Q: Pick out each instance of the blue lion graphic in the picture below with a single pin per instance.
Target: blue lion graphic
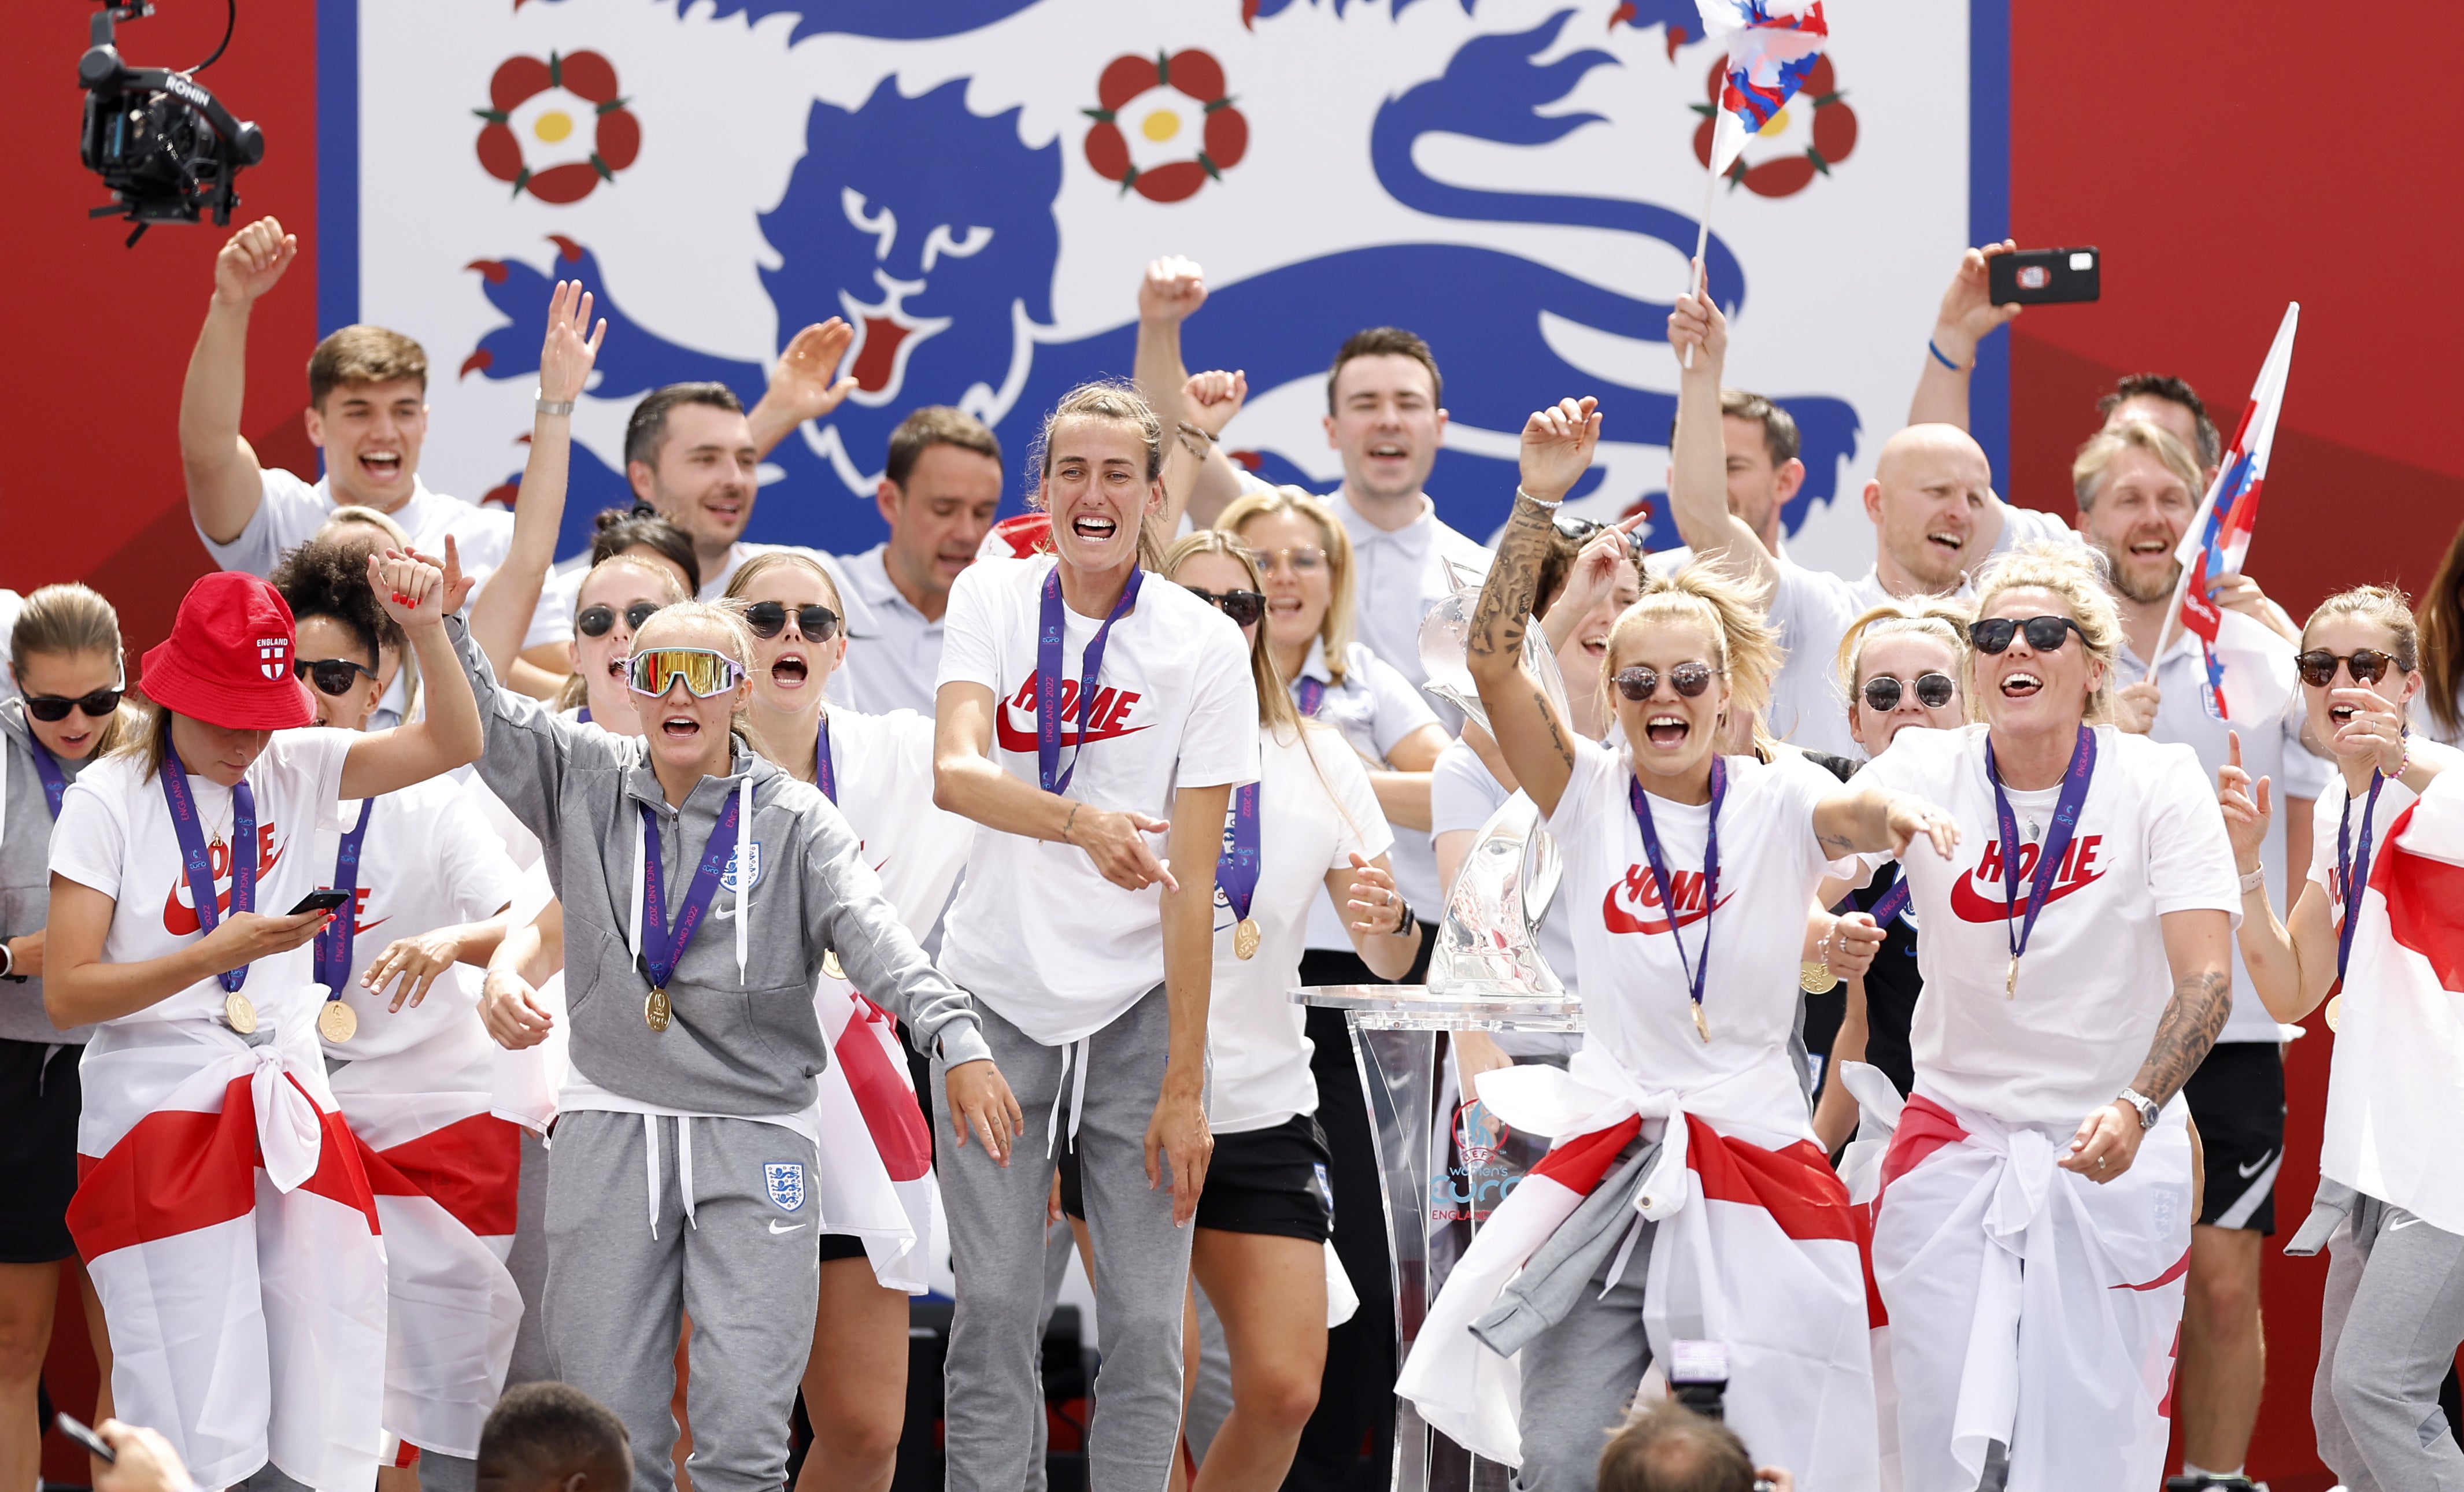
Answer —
(931, 229)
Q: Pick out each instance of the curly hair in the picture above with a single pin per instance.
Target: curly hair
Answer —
(329, 577)
(2080, 577)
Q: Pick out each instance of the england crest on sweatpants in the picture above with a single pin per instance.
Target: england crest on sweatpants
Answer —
(743, 869)
(785, 1180)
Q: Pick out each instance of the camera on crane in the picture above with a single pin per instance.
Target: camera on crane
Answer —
(166, 148)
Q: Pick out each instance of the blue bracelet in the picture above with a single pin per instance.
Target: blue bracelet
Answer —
(1939, 358)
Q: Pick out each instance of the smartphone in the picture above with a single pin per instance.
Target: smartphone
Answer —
(2043, 276)
(321, 901)
(76, 1430)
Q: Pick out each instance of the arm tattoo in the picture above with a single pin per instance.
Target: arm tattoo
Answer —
(1838, 844)
(1556, 738)
(2192, 1018)
(1514, 584)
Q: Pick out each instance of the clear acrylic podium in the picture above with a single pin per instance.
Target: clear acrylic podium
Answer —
(1432, 1205)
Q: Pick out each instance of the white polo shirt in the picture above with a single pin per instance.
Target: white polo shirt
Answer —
(893, 650)
(1397, 577)
(2269, 749)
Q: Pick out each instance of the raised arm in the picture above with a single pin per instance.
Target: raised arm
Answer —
(1171, 292)
(803, 386)
(448, 735)
(1193, 451)
(2292, 965)
(1533, 732)
(502, 613)
(1968, 316)
(1698, 478)
(967, 781)
(224, 482)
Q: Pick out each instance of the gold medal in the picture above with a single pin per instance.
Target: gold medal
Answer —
(1246, 938)
(239, 1013)
(1815, 976)
(2335, 1013)
(338, 1023)
(1701, 1028)
(2011, 980)
(657, 1011)
(830, 964)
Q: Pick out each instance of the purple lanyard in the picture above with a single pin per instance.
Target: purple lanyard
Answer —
(661, 947)
(2057, 838)
(334, 944)
(1310, 694)
(200, 864)
(825, 774)
(2347, 868)
(56, 782)
(1894, 902)
(584, 718)
(1660, 877)
(1048, 770)
(1236, 873)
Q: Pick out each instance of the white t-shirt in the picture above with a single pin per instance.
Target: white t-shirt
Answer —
(1036, 931)
(1812, 609)
(1374, 707)
(115, 835)
(1311, 818)
(2269, 749)
(1636, 989)
(884, 767)
(2393, 1084)
(427, 860)
(2094, 980)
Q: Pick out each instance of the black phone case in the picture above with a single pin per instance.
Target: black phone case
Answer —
(2044, 277)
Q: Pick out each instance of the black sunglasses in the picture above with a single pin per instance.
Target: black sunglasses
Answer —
(1243, 607)
(1688, 679)
(769, 618)
(50, 707)
(2318, 666)
(1579, 532)
(1934, 691)
(2044, 634)
(595, 620)
(333, 675)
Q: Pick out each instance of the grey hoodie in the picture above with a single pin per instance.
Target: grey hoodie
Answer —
(26, 875)
(746, 1043)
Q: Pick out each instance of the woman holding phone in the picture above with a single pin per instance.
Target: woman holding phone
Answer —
(179, 875)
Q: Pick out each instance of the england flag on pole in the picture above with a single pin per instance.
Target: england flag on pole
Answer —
(1771, 47)
(2218, 538)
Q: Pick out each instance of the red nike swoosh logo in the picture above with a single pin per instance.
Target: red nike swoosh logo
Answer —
(1971, 906)
(180, 919)
(1620, 920)
(1012, 738)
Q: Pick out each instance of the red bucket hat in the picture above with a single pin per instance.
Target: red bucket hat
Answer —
(228, 660)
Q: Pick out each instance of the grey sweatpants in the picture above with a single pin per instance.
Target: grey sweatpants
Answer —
(744, 1266)
(1579, 1377)
(2388, 1334)
(997, 1245)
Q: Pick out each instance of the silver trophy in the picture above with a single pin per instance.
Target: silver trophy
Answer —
(1485, 942)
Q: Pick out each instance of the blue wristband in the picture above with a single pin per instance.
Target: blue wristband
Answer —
(1939, 358)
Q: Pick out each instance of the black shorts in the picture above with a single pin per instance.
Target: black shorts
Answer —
(2236, 1098)
(1271, 1181)
(841, 1246)
(38, 1161)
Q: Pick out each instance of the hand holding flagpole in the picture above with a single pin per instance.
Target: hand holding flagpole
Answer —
(1771, 46)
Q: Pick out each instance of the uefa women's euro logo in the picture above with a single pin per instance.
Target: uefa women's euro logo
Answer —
(1481, 1169)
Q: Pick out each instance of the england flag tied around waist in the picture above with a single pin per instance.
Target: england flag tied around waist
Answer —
(2218, 539)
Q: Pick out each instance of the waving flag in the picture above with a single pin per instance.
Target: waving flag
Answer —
(1771, 46)
(2218, 538)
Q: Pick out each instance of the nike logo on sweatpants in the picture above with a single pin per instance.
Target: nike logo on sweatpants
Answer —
(788, 1228)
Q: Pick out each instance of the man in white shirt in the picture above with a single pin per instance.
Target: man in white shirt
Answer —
(1935, 517)
(367, 411)
(1383, 413)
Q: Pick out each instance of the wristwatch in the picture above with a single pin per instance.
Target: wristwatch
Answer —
(2147, 1107)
